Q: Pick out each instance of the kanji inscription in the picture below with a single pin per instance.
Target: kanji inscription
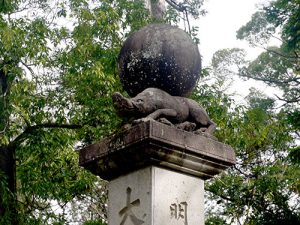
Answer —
(179, 211)
(127, 212)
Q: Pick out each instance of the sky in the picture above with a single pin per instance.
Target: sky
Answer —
(218, 27)
(217, 30)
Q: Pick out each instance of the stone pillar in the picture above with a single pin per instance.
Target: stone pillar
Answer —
(156, 173)
(154, 195)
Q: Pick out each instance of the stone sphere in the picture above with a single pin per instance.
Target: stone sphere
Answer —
(160, 56)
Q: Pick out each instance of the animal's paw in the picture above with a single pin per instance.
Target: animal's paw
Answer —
(187, 126)
(142, 120)
(202, 131)
(165, 121)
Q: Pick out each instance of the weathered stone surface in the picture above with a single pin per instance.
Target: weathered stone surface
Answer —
(156, 196)
(160, 56)
(156, 104)
(154, 143)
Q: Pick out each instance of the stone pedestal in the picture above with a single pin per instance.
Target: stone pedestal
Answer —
(156, 196)
(156, 173)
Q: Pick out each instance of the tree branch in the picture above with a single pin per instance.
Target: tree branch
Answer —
(31, 129)
(221, 196)
(243, 173)
(55, 125)
(281, 82)
(176, 6)
(293, 100)
(277, 53)
(187, 20)
(28, 67)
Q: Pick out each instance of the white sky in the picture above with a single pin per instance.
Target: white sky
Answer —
(217, 30)
(218, 27)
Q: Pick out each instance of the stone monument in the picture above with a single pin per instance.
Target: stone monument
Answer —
(157, 165)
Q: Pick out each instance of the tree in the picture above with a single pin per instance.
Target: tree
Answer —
(263, 187)
(56, 83)
(57, 72)
(277, 66)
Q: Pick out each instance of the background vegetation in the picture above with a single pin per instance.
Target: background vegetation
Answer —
(58, 71)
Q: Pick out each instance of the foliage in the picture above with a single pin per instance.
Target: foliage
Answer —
(56, 82)
(180, 11)
(58, 68)
(56, 79)
(277, 66)
(263, 187)
(215, 221)
(93, 223)
(5, 198)
(276, 14)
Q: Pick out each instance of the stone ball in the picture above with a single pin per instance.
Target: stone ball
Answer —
(160, 56)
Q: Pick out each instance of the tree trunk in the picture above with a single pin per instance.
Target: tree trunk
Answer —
(8, 206)
(157, 8)
(8, 168)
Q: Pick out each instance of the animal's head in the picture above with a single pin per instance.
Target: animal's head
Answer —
(122, 104)
(141, 105)
(144, 102)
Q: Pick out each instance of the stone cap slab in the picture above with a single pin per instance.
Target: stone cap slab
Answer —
(154, 143)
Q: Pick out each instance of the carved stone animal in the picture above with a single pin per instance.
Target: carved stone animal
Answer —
(156, 104)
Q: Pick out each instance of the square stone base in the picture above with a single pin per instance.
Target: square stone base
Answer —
(155, 144)
(156, 196)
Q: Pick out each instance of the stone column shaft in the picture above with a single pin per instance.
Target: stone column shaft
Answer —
(156, 196)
